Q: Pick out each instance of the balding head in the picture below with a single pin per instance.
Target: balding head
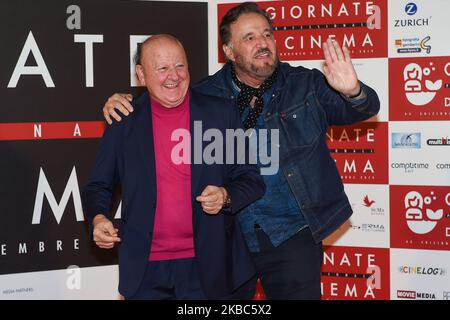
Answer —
(156, 39)
(163, 69)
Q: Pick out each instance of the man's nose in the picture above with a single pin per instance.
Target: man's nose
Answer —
(261, 41)
(173, 74)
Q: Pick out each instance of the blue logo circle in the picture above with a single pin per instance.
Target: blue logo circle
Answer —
(411, 9)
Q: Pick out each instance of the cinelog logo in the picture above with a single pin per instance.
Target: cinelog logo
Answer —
(424, 271)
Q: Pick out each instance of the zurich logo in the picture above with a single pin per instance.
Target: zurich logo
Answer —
(411, 9)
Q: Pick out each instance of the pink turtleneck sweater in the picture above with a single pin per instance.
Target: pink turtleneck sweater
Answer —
(173, 231)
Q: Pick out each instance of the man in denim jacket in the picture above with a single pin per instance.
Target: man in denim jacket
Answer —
(305, 200)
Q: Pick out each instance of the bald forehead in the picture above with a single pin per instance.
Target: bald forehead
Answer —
(162, 41)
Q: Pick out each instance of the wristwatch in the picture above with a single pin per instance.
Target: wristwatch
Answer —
(227, 202)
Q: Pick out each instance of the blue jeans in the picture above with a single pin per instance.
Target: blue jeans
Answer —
(290, 271)
(170, 280)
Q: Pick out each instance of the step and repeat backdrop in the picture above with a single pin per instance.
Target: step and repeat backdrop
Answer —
(61, 60)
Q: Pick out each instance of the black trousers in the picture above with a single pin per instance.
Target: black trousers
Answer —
(290, 271)
(170, 280)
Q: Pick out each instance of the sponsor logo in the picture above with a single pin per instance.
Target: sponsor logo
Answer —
(439, 142)
(421, 215)
(372, 227)
(413, 45)
(367, 202)
(411, 9)
(406, 140)
(423, 271)
(425, 83)
(419, 90)
(443, 166)
(409, 167)
(404, 294)
(418, 221)
(367, 205)
(369, 227)
(402, 23)
(425, 296)
(377, 211)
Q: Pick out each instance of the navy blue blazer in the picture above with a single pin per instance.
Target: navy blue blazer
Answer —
(126, 156)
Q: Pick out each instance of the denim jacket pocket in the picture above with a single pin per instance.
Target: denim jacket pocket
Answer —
(300, 124)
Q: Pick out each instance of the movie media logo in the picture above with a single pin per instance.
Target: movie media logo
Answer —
(406, 294)
(423, 271)
(403, 294)
(418, 221)
(439, 142)
(406, 140)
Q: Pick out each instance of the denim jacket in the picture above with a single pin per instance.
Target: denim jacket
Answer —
(302, 107)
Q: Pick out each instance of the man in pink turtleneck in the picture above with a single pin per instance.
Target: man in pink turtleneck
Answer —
(178, 238)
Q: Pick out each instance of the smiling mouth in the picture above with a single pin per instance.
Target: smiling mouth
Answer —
(171, 85)
(263, 54)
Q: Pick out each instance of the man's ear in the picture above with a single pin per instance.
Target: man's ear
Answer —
(228, 52)
(140, 75)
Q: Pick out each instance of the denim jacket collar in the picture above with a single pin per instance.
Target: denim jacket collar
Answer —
(223, 82)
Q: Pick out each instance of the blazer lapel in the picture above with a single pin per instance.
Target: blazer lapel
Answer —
(196, 168)
(146, 143)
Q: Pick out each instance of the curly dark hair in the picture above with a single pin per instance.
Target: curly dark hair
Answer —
(234, 13)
